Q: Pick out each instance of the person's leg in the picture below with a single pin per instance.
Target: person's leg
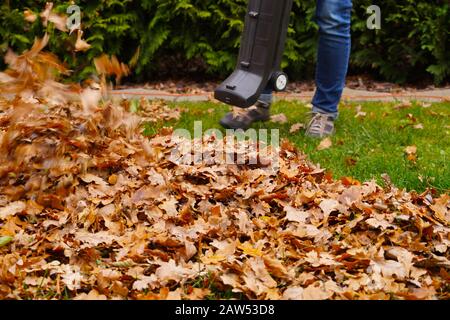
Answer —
(333, 18)
(267, 95)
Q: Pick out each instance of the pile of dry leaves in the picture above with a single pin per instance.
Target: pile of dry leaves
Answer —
(92, 209)
(89, 208)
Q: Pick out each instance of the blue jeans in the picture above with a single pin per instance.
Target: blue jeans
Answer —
(333, 18)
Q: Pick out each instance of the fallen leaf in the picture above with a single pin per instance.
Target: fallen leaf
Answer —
(378, 223)
(145, 282)
(296, 127)
(248, 249)
(12, 209)
(349, 161)
(317, 292)
(328, 206)
(71, 277)
(389, 268)
(440, 208)
(279, 118)
(170, 207)
(171, 271)
(320, 259)
(325, 144)
(403, 105)
(411, 153)
(360, 113)
(403, 256)
(296, 215)
(293, 293)
(93, 295)
(411, 150)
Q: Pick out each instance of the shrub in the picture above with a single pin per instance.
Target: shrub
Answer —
(203, 36)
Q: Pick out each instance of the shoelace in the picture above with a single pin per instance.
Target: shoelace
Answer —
(318, 123)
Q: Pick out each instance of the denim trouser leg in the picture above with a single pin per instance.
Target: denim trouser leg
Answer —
(333, 18)
(266, 95)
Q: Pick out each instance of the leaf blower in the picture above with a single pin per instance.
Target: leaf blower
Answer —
(260, 55)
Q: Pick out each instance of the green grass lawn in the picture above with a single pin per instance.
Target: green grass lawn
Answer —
(363, 147)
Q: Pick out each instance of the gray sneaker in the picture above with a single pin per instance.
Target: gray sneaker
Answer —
(321, 125)
(244, 118)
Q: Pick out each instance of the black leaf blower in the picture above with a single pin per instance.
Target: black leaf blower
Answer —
(260, 55)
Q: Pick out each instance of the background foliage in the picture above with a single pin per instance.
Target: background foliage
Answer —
(176, 37)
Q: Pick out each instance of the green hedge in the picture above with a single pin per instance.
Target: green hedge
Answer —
(203, 36)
